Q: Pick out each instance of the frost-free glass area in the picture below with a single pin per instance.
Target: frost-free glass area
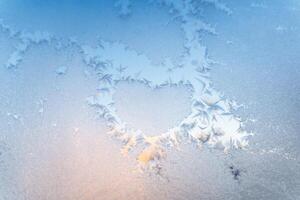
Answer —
(155, 99)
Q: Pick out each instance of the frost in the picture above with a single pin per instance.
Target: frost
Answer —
(26, 39)
(150, 153)
(35, 37)
(281, 29)
(211, 120)
(258, 5)
(41, 104)
(129, 144)
(14, 59)
(62, 70)
(235, 172)
(16, 117)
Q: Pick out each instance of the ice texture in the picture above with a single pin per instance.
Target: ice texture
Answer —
(25, 40)
(58, 99)
(211, 120)
(61, 70)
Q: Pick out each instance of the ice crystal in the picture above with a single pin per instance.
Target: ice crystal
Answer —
(26, 39)
(61, 70)
(211, 120)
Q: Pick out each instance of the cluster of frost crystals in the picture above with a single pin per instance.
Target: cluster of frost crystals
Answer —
(25, 40)
(211, 120)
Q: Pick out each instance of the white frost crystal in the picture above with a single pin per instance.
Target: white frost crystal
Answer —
(211, 120)
(26, 39)
(61, 70)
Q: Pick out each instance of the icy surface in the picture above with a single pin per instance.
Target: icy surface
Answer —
(179, 89)
(210, 121)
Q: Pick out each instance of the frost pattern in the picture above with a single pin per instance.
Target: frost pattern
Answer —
(25, 40)
(211, 120)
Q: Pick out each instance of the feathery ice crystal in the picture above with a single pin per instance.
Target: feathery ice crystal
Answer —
(211, 120)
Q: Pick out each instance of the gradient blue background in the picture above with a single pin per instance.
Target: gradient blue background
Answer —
(64, 152)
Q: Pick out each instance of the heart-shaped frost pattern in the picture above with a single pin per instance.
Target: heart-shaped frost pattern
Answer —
(210, 119)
